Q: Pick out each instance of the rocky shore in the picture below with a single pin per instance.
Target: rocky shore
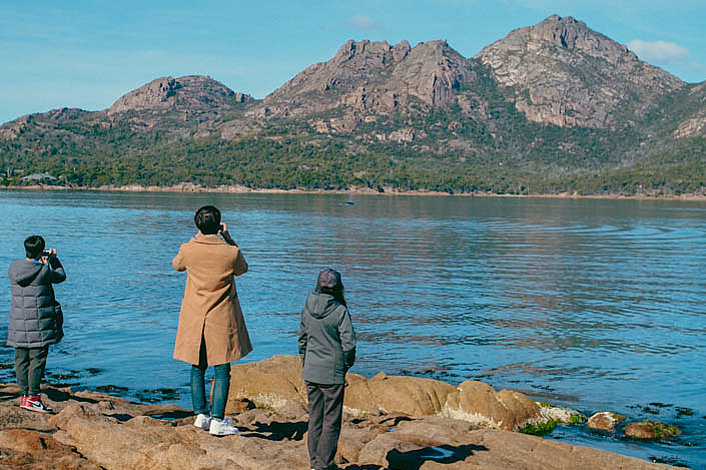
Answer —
(387, 191)
(390, 422)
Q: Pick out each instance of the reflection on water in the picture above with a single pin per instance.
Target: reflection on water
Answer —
(599, 304)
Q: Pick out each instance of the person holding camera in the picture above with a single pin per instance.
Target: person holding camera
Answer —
(35, 317)
(211, 329)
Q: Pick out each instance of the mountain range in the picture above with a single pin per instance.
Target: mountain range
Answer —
(554, 107)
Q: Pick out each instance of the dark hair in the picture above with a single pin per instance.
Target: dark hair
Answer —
(208, 220)
(34, 246)
(329, 282)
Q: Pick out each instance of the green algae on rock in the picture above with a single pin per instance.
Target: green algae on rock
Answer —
(651, 430)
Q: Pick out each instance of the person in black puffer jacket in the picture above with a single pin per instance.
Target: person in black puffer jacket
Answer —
(327, 348)
(35, 319)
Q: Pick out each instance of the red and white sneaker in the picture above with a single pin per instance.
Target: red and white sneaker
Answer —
(23, 400)
(34, 403)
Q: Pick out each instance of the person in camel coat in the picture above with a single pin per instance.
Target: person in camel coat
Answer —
(211, 329)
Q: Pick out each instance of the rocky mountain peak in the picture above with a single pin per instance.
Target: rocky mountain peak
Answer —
(570, 33)
(562, 31)
(369, 77)
(355, 64)
(155, 94)
(566, 74)
(191, 93)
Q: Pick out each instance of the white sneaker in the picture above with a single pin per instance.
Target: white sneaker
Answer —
(202, 421)
(222, 427)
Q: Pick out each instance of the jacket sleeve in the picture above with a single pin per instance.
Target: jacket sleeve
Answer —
(178, 262)
(303, 339)
(347, 335)
(56, 271)
(240, 266)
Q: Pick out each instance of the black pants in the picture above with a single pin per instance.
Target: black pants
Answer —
(325, 413)
(29, 367)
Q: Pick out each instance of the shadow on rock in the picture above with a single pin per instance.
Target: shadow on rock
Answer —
(393, 421)
(58, 395)
(171, 415)
(122, 417)
(276, 431)
(444, 454)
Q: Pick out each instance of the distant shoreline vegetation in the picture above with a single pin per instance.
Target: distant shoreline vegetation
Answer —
(195, 189)
(302, 165)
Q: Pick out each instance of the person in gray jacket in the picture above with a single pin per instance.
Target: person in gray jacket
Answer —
(327, 350)
(35, 320)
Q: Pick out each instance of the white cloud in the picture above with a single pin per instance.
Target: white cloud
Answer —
(362, 23)
(658, 51)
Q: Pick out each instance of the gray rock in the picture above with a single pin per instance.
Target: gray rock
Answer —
(605, 420)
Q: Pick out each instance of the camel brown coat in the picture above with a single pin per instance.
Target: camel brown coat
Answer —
(210, 306)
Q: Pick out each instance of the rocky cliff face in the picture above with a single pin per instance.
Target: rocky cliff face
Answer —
(694, 123)
(374, 77)
(564, 73)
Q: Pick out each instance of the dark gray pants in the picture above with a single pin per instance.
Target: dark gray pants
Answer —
(29, 367)
(325, 413)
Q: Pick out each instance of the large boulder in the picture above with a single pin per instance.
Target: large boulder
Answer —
(268, 383)
(651, 430)
(359, 397)
(274, 383)
(477, 402)
(605, 421)
(409, 395)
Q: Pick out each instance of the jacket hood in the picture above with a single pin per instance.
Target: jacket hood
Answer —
(23, 272)
(320, 305)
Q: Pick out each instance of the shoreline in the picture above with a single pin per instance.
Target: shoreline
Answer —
(389, 422)
(237, 189)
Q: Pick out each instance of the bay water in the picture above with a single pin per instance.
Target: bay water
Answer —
(591, 304)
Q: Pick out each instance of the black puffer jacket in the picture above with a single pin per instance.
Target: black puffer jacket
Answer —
(33, 319)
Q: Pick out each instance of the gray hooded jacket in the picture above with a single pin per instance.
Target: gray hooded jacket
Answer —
(33, 320)
(326, 340)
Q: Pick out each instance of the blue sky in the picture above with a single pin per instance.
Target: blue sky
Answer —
(87, 54)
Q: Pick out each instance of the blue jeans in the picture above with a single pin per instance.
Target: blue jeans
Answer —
(220, 386)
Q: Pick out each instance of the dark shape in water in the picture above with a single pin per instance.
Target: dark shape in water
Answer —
(669, 461)
(64, 384)
(647, 409)
(63, 376)
(112, 389)
(157, 395)
(683, 411)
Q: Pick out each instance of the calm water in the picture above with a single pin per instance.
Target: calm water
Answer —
(588, 303)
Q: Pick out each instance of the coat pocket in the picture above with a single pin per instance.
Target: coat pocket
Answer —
(59, 320)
